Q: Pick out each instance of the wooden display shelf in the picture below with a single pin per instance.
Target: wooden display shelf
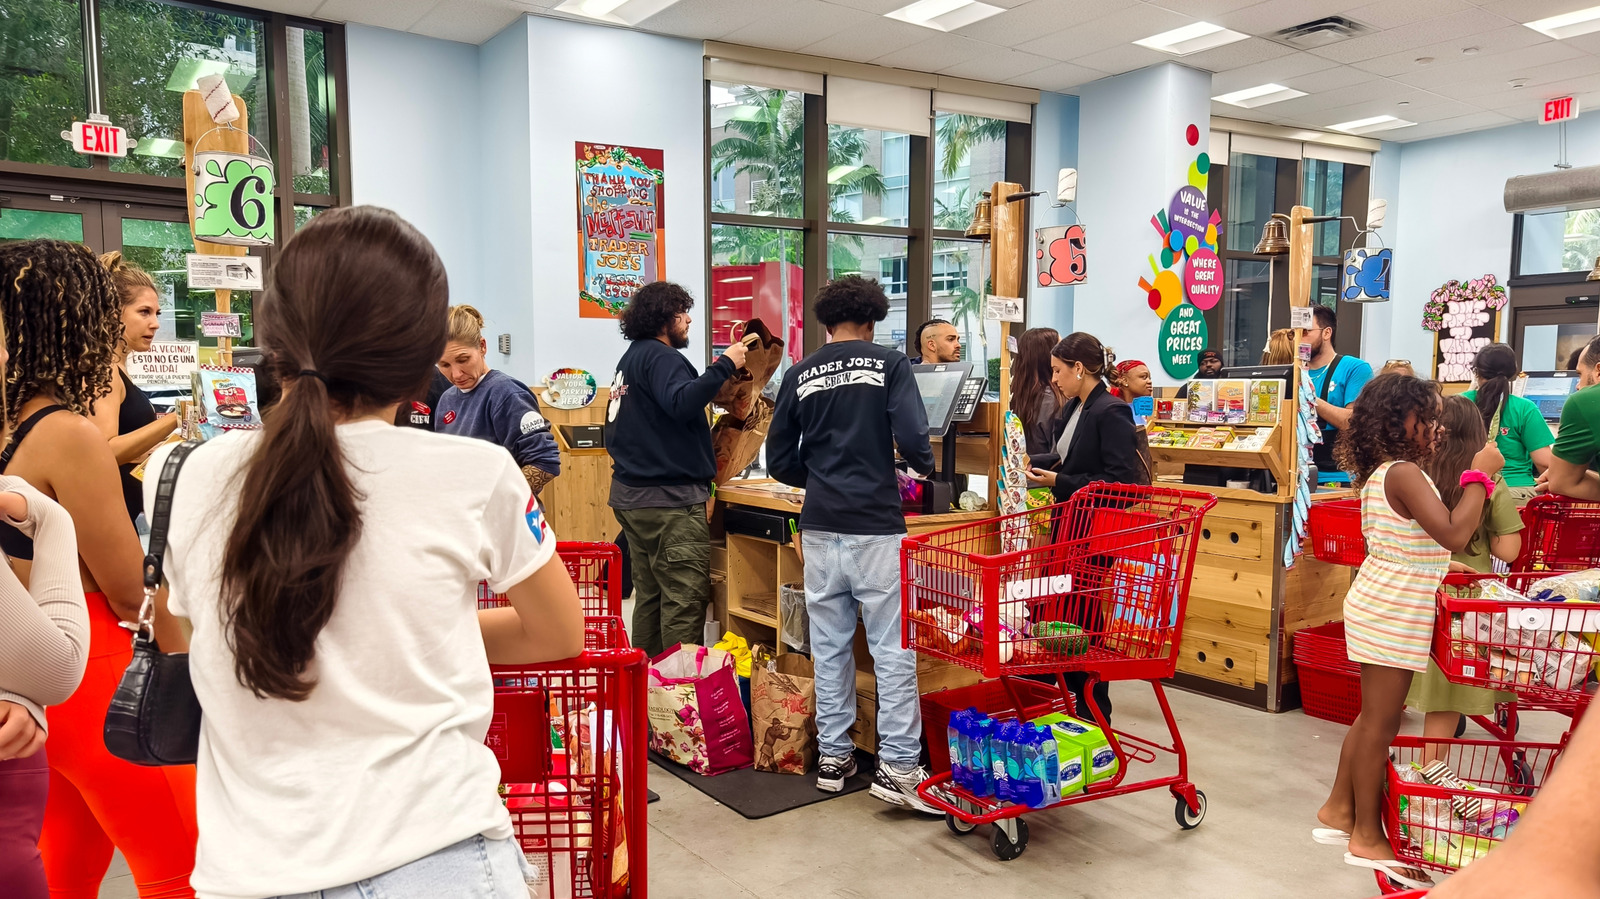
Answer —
(576, 501)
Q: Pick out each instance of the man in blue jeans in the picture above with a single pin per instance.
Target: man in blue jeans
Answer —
(841, 411)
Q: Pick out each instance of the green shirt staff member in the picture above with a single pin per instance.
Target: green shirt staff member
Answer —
(1522, 434)
(1578, 438)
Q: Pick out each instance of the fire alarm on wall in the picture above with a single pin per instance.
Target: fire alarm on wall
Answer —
(503, 342)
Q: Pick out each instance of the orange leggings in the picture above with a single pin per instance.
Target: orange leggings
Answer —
(98, 801)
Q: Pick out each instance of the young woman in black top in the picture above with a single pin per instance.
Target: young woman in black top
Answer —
(126, 417)
(1032, 397)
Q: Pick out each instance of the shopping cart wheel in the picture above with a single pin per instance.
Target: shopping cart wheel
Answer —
(1521, 775)
(1008, 846)
(958, 826)
(1190, 820)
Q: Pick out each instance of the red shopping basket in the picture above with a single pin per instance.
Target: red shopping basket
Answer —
(580, 815)
(1560, 533)
(1334, 527)
(1536, 649)
(1098, 583)
(1330, 684)
(596, 570)
(1445, 829)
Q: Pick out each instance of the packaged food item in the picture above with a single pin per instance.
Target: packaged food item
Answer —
(1180, 410)
(1202, 400)
(1231, 400)
(1164, 410)
(1102, 762)
(1266, 396)
(1060, 638)
(1572, 586)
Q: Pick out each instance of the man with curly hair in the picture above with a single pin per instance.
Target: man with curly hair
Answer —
(841, 412)
(662, 465)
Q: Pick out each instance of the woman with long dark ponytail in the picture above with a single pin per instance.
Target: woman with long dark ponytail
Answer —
(1522, 434)
(329, 564)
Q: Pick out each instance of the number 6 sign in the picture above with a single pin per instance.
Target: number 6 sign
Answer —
(232, 198)
(1062, 256)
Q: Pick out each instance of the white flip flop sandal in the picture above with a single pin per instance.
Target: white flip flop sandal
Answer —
(1389, 868)
(1330, 836)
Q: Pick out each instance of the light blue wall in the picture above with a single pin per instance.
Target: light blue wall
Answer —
(413, 140)
(475, 145)
(1377, 319)
(1453, 222)
(1055, 147)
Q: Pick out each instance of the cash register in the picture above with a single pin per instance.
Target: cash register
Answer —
(950, 394)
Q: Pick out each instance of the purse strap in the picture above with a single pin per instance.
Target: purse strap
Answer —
(160, 518)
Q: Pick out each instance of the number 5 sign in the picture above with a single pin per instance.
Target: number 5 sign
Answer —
(1061, 255)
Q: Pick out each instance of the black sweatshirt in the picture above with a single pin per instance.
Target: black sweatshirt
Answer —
(656, 428)
(841, 411)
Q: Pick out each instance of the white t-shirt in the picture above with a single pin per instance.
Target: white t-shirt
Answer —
(384, 763)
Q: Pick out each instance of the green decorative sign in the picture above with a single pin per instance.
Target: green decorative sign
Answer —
(1183, 336)
(233, 199)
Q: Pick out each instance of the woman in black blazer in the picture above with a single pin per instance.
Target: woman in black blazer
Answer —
(1096, 440)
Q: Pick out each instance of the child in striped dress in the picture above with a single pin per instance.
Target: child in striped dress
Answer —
(1389, 608)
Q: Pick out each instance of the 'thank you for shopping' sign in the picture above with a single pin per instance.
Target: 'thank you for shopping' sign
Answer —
(621, 225)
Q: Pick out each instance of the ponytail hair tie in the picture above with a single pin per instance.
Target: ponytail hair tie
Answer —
(313, 373)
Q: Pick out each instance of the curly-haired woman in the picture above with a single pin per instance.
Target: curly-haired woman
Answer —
(1388, 610)
(125, 416)
(63, 328)
(662, 464)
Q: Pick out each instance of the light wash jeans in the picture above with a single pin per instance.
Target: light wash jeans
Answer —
(475, 868)
(844, 573)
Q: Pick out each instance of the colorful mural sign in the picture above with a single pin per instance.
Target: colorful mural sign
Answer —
(1187, 268)
(1062, 255)
(1465, 318)
(1183, 335)
(1368, 272)
(621, 225)
(1202, 278)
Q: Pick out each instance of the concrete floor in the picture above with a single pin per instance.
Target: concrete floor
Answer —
(1264, 776)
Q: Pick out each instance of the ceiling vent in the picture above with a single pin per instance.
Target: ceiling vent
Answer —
(1320, 33)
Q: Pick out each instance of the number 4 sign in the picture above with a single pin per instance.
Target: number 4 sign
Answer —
(1061, 255)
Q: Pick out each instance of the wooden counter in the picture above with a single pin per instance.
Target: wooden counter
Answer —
(575, 502)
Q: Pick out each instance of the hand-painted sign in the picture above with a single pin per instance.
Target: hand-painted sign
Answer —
(621, 225)
(1202, 278)
(1183, 335)
(1061, 255)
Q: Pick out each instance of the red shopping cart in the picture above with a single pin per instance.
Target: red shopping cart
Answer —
(1095, 585)
(1559, 533)
(570, 737)
(596, 570)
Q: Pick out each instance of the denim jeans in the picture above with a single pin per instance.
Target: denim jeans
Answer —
(847, 573)
(475, 868)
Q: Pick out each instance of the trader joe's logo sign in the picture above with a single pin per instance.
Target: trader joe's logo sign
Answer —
(621, 226)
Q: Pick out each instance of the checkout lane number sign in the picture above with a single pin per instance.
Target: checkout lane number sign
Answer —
(1183, 335)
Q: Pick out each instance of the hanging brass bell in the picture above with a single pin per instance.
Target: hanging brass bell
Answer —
(981, 211)
(1274, 236)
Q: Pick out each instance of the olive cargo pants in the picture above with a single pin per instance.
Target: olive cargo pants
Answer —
(670, 550)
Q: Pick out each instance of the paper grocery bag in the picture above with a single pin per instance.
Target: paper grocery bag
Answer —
(696, 716)
(739, 393)
(736, 443)
(783, 712)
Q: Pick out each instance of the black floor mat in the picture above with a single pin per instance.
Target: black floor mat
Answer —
(761, 794)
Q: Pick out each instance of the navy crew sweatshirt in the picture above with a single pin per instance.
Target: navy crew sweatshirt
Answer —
(500, 409)
(656, 429)
(841, 411)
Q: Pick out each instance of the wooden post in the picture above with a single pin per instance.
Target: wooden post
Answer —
(1007, 223)
(196, 122)
(1300, 239)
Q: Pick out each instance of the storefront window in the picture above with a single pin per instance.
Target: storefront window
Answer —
(881, 259)
(29, 224)
(152, 52)
(304, 214)
(958, 287)
(41, 81)
(756, 273)
(1325, 286)
(1252, 197)
(1245, 323)
(867, 176)
(757, 139)
(969, 157)
(1555, 242)
(1322, 189)
(310, 126)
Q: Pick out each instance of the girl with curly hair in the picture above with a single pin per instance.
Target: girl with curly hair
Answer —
(63, 327)
(1388, 610)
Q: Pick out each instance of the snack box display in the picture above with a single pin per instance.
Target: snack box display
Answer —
(1230, 401)
(1266, 396)
(1202, 398)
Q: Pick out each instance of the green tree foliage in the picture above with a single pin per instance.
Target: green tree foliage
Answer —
(41, 80)
(958, 134)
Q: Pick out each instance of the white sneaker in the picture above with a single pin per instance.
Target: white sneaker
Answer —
(833, 771)
(898, 787)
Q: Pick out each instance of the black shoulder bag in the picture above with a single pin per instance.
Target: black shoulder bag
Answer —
(154, 717)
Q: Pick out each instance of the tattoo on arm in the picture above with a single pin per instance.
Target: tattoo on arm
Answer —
(537, 477)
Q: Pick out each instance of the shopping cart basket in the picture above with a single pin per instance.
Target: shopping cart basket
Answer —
(1537, 650)
(570, 737)
(1095, 585)
(596, 570)
(1560, 533)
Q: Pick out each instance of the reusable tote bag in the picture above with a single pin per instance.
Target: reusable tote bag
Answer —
(696, 716)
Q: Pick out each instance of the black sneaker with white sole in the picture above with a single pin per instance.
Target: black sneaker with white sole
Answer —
(898, 787)
(833, 771)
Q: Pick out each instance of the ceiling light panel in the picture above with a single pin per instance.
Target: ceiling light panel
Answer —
(617, 12)
(1260, 95)
(1191, 39)
(944, 15)
(1371, 125)
(1571, 24)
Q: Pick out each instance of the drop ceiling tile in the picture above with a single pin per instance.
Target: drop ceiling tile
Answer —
(866, 37)
(937, 51)
(1036, 17)
(1588, 43)
(1545, 61)
(876, 7)
(1124, 59)
(1530, 10)
(1116, 29)
(1391, 14)
(704, 19)
(1337, 78)
(1237, 55)
(1511, 38)
(999, 65)
(1420, 34)
(468, 21)
(289, 7)
(399, 15)
(1282, 70)
(792, 25)
(1063, 77)
(1262, 19)
(1478, 121)
(1203, 9)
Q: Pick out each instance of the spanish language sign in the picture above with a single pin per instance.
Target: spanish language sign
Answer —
(169, 363)
(621, 225)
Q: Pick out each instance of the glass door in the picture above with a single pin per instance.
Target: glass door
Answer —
(35, 217)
